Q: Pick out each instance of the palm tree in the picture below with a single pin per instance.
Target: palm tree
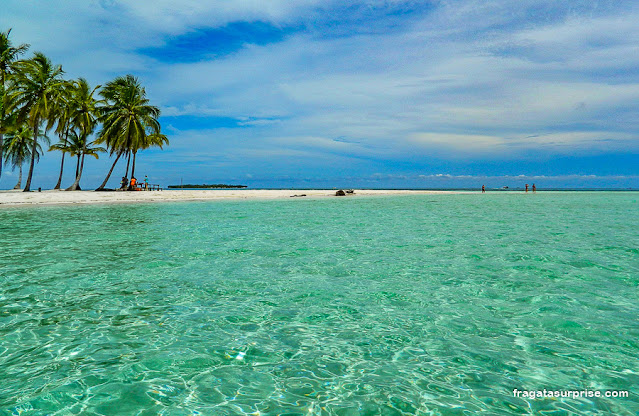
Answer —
(82, 148)
(85, 106)
(71, 144)
(84, 119)
(62, 111)
(76, 145)
(8, 55)
(18, 149)
(33, 90)
(127, 119)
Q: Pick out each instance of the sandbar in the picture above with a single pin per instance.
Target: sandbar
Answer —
(58, 197)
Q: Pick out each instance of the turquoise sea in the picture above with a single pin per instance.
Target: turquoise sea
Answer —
(404, 305)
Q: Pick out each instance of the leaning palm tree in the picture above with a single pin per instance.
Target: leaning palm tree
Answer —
(32, 91)
(8, 55)
(18, 149)
(127, 119)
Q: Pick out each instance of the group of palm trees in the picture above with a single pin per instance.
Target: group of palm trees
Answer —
(35, 99)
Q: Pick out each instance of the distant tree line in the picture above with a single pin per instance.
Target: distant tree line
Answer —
(35, 100)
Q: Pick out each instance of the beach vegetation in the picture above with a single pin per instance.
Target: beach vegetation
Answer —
(35, 96)
(84, 121)
(9, 54)
(77, 145)
(33, 88)
(62, 112)
(129, 122)
(18, 147)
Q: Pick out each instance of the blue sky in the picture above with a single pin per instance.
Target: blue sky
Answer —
(371, 93)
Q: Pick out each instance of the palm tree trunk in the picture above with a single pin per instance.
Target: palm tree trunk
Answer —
(66, 137)
(133, 166)
(19, 184)
(101, 187)
(57, 185)
(76, 184)
(1, 147)
(2, 115)
(126, 173)
(77, 166)
(34, 148)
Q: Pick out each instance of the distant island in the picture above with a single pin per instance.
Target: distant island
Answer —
(214, 186)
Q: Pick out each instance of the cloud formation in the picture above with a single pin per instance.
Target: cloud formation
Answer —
(405, 86)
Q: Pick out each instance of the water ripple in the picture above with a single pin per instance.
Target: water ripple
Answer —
(363, 306)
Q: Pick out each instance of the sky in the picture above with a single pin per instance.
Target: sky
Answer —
(368, 93)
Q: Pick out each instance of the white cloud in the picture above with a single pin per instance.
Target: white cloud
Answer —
(474, 78)
(174, 17)
(353, 87)
(464, 145)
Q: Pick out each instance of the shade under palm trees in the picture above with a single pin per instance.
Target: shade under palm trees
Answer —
(32, 92)
(129, 122)
(18, 148)
(8, 55)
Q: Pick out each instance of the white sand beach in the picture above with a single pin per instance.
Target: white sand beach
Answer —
(57, 197)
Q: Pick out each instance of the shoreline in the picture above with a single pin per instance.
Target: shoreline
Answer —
(57, 197)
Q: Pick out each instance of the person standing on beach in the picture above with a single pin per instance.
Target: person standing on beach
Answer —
(124, 182)
(483, 189)
(526, 188)
(534, 188)
(146, 183)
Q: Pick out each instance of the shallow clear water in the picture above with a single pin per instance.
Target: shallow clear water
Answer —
(430, 305)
